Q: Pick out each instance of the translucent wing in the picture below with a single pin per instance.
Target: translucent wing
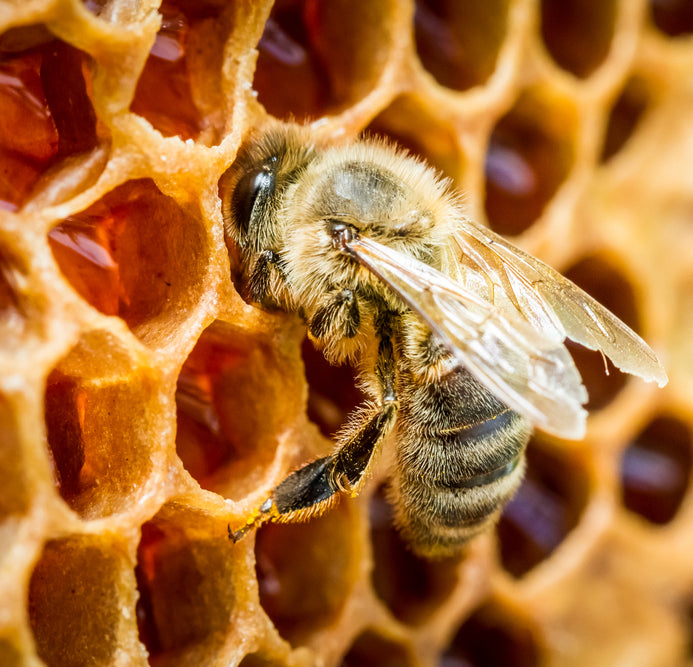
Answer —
(555, 305)
(533, 374)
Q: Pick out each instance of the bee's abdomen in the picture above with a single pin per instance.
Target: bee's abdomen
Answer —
(460, 456)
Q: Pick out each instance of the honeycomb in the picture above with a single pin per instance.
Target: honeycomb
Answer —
(145, 407)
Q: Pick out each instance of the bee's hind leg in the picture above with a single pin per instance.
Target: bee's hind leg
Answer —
(314, 488)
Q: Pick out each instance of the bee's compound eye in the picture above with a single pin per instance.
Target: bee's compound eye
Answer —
(251, 186)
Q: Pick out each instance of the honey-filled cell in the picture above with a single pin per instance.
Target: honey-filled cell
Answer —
(136, 254)
(201, 443)
(458, 42)
(578, 33)
(287, 54)
(529, 155)
(46, 113)
(173, 90)
(233, 396)
(337, 31)
(656, 470)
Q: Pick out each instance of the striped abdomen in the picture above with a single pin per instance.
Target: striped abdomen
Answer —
(460, 457)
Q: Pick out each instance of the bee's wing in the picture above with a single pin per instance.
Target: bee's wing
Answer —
(533, 374)
(554, 304)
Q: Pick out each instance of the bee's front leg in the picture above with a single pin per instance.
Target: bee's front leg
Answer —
(314, 488)
(337, 317)
(260, 279)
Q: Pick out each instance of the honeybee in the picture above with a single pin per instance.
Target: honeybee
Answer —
(458, 336)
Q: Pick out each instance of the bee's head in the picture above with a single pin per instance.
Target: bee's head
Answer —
(252, 189)
(366, 189)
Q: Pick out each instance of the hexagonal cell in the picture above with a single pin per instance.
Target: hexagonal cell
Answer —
(46, 113)
(226, 438)
(546, 508)
(411, 587)
(371, 649)
(410, 126)
(305, 571)
(186, 590)
(656, 470)
(529, 155)
(316, 50)
(79, 596)
(332, 391)
(625, 116)
(136, 254)
(339, 29)
(458, 42)
(608, 286)
(286, 53)
(174, 86)
(578, 33)
(101, 408)
(672, 17)
(494, 635)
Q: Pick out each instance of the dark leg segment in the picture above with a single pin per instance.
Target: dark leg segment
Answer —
(314, 487)
(317, 482)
